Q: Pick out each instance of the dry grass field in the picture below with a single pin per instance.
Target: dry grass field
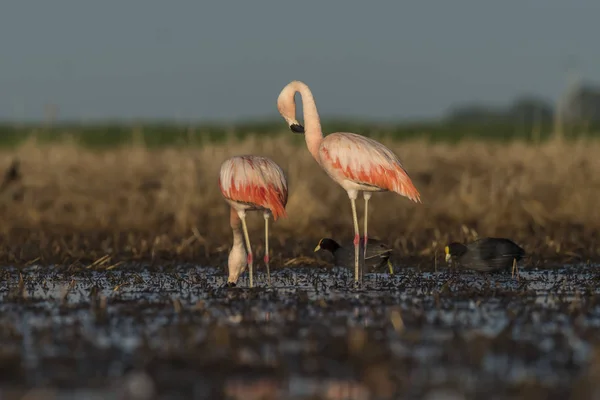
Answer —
(75, 206)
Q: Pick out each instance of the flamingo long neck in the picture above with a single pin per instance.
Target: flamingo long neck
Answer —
(236, 262)
(312, 124)
(236, 226)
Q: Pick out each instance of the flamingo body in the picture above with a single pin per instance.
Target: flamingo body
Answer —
(251, 183)
(358, 163)
(355, 162)
(254, 183)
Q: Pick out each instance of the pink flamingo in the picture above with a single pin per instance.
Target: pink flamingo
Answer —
(356, 163)
(251, 183)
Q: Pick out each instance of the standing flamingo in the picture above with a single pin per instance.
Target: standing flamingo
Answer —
(356, 163)
(251, 183)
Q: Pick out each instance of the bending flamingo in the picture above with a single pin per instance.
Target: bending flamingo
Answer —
(251, 183)
(355, 162)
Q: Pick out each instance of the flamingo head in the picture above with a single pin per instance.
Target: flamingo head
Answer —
(236, 264)
(286, 104)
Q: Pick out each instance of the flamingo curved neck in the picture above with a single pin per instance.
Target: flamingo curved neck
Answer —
(236, 262)
(312, 124)
(236, 227)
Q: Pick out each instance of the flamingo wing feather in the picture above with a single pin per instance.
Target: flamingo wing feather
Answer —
(365, 161)
(255, 180)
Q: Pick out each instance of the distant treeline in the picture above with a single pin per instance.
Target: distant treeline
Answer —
(163, 134)
(528, 118)
(579, 107)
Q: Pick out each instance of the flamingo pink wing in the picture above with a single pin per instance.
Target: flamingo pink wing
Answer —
(366, 161)
(255, 180)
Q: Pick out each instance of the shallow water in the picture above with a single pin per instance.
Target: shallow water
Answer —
(144, 332)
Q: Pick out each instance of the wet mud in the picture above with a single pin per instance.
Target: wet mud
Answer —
(143, 332)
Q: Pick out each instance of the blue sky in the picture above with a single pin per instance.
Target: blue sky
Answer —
(219, 60)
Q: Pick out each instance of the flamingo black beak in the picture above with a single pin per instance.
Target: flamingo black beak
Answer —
(297, 128)
(231, 284)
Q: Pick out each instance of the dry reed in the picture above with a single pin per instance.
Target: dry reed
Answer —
(75, 205)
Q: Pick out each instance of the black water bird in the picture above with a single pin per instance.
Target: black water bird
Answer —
(378, 254)
(485, 255)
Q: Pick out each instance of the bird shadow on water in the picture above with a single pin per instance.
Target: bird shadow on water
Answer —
(144, 332)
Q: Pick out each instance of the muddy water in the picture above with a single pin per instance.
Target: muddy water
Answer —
(141, 332)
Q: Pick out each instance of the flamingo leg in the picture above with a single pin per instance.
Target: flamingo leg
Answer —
(367, 197)
(266, 215)
(353, 196)
(242, 215)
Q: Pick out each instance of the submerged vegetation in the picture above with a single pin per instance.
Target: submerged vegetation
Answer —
(162, 333)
